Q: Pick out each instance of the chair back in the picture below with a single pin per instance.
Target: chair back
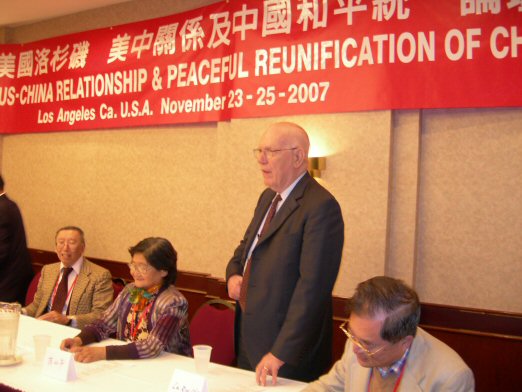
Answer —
(31, 290)
(213, 324)
(117, 285)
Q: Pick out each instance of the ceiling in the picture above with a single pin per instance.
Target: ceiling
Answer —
(19, 12)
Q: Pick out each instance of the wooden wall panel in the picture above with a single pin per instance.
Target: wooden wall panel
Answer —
(494, 359)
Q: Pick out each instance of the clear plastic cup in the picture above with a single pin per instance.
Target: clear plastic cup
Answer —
(41, 342)
(202, 354)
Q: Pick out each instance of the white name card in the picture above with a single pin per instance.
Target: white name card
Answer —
(183, 381)
(59, 364)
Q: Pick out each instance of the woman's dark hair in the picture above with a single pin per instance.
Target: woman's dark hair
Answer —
(159, 253)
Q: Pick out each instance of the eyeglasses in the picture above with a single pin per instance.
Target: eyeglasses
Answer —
(61, 243)
(258, 152)
(345, 327)
(141, 268)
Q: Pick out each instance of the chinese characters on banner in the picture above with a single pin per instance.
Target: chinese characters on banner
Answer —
(256, 58)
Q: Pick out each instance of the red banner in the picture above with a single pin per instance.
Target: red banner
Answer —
(253, 58)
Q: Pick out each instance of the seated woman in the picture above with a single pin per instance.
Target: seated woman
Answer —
(150, 314)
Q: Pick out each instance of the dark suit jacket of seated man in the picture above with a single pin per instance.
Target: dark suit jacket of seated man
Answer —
(286, 326)
(89, 291)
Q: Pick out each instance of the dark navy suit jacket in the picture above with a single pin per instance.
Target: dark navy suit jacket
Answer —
(16, 271)
(294, 267)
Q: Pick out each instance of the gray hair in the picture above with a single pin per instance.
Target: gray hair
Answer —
(392, 297)
(74, 228)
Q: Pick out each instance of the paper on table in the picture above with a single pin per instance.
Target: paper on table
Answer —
(245, 382)
(86, 370)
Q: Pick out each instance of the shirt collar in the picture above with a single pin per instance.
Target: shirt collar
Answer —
(396, 367)
(77, 266)
(290, 188)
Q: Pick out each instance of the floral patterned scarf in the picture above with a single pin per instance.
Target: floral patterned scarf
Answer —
(141, 301)
(139, 298)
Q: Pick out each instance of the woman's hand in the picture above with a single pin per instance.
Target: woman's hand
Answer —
(88, 354)
(68, 344)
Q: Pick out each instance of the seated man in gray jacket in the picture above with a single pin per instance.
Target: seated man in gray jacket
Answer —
(74, 291)
(387, 351)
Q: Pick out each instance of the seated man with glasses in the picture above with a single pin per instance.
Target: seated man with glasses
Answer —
(74, 291)
(387, 351)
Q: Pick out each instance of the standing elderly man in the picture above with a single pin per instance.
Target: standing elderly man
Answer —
(16, 271)
(387, 351)
(284, 269)
(74, 291)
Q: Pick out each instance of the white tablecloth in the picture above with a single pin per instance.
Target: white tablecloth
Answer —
(120, 376)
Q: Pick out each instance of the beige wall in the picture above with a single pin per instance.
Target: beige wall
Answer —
(432, 197)
(470, 208)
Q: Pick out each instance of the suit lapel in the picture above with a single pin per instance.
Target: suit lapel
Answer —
(409, 383)
(413, 372)
(52, 271)
(359, 377)
(289, 206)
(80, 287)
(264, 205)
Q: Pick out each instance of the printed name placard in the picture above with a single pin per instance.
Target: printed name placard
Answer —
(183, 381)
(59, 364)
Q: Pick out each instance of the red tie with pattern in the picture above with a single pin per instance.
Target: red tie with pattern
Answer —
(246, 274)
(61, 292)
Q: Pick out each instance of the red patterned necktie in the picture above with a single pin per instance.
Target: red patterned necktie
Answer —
(246, 274)
(61, 292)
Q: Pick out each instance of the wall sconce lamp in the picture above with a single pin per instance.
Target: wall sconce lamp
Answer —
(315, 165)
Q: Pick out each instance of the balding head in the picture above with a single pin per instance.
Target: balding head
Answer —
(284, 157)
(291, 134)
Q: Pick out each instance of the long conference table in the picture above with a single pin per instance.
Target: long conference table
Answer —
(119, 375)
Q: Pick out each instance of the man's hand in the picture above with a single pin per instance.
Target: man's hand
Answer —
(269, 365)
(234, 286)
(88, 354)
(55, 317)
